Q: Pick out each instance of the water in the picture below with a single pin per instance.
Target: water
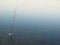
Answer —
(29, 31)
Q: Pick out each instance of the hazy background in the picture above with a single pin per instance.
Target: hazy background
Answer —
(36, 20)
